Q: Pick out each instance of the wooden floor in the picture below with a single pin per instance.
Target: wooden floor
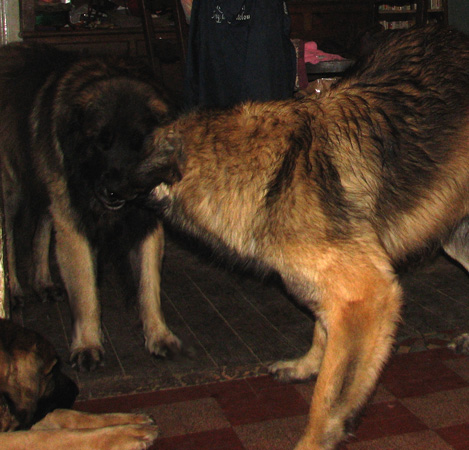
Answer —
(232, 324)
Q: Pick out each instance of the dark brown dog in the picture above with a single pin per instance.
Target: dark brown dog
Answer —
(70, 131)
(31, 383)
(331, 193)
(32, 387)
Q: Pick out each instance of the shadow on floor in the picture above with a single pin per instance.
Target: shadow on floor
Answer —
(233, 325)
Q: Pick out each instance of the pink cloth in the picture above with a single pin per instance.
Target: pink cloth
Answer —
(313, 55)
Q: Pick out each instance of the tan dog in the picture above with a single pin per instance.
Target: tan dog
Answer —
(31, 386)
(332, 193)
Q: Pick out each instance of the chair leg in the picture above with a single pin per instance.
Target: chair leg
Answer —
(149, 36)
(149, 33)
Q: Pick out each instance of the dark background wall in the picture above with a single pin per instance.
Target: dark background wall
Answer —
(459, 14)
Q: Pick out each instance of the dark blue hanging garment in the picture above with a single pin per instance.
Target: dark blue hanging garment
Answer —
(239, 50)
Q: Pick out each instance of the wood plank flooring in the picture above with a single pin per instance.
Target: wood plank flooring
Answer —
(232, 323)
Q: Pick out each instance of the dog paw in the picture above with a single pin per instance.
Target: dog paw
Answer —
(18, 295)
(290, 371)
(137, 437)
(138, 419)
(87, 359)
(113, 419)
(120, 437)
(51, 294)
(8, 421)
(163, 346)
(460, 344)
(18, 301)
(130, 437)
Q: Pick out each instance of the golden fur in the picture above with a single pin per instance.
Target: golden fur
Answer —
(332, 193)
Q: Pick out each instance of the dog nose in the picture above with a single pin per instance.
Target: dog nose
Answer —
(110, 198)
(23, 416)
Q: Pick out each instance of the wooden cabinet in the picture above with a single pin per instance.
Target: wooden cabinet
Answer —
(335, 25)
(395, 14)
(126, 40)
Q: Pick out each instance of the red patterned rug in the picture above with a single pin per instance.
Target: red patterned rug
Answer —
(422, 403)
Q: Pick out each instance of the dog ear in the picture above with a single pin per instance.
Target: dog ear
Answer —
(75, 127)
(68, 126)
(169, 148)
(160, 108)
(49, 366)
(162, 164)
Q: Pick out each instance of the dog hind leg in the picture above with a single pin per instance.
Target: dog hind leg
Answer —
(358, 302)
(458, 248)
(458, 245)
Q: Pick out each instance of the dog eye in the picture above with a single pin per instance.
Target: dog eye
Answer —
(113, 195)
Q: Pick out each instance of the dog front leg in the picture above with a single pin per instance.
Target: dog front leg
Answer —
(360, 308)
(11, 198)
(69, 418)
(77, 267)
(42, 281)
(119, 437)
(147, 265)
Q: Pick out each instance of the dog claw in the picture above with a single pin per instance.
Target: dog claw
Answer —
(150, 433)
(144, 419)
(460, 344)
(282, 374)
(289, 371)
(136, 437)
(51, 294)
(18, 301)
(87, 360)
(164, 347)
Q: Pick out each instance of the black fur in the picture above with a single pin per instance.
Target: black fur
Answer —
(73, 132)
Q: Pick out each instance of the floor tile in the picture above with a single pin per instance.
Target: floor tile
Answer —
(387, 419)
(441, 409)
(457, 436)
(382, 395)
(247, 407)
(123, 403)
(224, 439)
(280, 434)
(419, 374)
(190, 417)
(460, 366)
(423, 440)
